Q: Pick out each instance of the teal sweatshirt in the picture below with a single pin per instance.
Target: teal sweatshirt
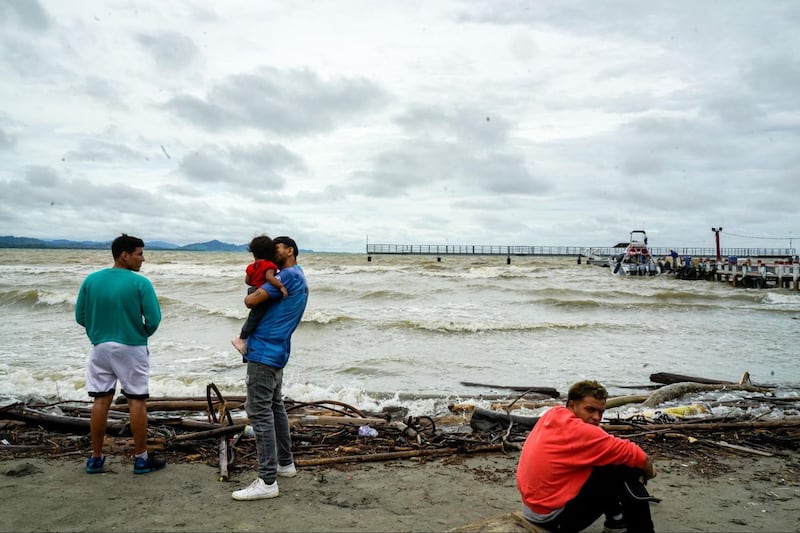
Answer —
(118, 305)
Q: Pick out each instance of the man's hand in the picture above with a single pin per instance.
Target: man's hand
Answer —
(649, 469)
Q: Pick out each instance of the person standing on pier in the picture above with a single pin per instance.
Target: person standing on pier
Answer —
(268, 350)
(571, 471)
(120, 311)
(674, 255)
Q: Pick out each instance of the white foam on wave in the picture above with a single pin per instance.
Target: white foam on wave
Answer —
(428, 405)
(57, 298)
(787, 300)
(21, 385)
(321, 317)
(178, 270)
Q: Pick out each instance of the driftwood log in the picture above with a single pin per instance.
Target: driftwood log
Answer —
(388, 456)
(180, 405)
(618, 401)
(545, 391)
(676, 390)
(77, 424)
(623, 426)
(25, 414)
(667, 378)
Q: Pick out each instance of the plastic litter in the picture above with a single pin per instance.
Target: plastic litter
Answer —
(367, 431)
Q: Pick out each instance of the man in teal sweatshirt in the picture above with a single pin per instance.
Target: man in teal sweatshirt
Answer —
(119, 310)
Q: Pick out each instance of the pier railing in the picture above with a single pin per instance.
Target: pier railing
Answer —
(564, 251)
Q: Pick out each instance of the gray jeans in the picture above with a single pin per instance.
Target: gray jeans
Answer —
(268, 417)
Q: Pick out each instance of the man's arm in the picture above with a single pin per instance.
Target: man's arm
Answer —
(151, 310)
(649, 469)
(80, 309)
(255, 298)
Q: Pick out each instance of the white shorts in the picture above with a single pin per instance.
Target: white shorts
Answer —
(112, 361)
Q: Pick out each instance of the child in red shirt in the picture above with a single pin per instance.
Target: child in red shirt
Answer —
(261, 271)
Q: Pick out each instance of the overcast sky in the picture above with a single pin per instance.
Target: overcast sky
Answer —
(415, 122)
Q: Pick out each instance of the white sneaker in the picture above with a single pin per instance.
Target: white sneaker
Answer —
(258, 490)
(287, 471)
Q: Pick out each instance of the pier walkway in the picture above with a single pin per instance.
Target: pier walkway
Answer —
(441, 250)
(758, 275)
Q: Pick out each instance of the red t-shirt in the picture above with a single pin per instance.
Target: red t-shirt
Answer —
(559, 454)
(257, 271)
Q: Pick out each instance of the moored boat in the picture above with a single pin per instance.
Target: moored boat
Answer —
(637, 259)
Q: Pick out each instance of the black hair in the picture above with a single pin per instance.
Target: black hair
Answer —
(262, 247)
(125, 243)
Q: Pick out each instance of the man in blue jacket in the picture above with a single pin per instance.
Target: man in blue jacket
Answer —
(268, 350)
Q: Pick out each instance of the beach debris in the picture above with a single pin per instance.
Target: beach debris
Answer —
(215, 429)
(544, 391)
(484, 420)
(367, 431)
(676, 390)
(668, 378)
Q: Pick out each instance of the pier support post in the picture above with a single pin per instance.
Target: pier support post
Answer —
(508, 260)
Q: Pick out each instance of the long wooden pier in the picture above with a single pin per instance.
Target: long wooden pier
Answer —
(440, 250)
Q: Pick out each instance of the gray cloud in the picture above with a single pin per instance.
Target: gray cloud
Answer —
(102, 151)
(7, 140)
(104, 90)
(289, 102)
(258, 167)
(446, 167)
(455, 150)
(459, 124)
(170, 50)
(27, 13)
(40, 176)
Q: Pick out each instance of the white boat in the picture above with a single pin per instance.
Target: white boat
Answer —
(636, 260)
(595, 258)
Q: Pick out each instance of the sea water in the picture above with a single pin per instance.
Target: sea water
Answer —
(404, 329)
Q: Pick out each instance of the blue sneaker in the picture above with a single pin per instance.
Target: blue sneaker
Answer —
(94, 465)
(151, 464)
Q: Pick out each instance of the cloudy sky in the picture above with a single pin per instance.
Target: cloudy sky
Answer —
(416, 122)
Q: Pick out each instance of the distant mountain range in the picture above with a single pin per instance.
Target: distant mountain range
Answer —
(10, 241)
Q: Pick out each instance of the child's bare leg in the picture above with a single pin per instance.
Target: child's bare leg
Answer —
(240, 344)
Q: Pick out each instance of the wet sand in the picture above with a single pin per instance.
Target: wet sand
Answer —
(37, 494)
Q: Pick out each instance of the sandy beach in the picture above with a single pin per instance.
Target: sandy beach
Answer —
(735, 493)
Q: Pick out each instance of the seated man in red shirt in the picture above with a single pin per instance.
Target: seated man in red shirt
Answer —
(571, 471)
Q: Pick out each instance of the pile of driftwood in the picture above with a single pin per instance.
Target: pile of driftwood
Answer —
(686, 432)
(214, 429)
